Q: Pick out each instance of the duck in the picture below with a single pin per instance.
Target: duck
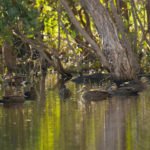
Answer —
(94, 94)
(123, 91)
(12, 99)
(130, 88)
(64, 92)
(30, 94)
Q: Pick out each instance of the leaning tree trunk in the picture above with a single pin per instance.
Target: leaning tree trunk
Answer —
(122, 60)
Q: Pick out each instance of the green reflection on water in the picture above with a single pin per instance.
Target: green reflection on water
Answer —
(52, 124)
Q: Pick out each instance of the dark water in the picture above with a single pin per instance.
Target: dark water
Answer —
(53, 124)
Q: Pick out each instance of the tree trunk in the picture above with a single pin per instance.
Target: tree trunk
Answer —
(148, 14)
(1, 62)
(123, 63)
(9, 57)
(87, 37)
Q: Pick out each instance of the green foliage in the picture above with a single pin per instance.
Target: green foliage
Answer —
(19, 14)
(34, 17)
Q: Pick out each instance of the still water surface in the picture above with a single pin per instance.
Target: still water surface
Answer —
(115, 124)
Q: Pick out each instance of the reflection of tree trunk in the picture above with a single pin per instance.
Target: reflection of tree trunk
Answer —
(42, 88)
(14, 126)
(9, 57)
(114, 130)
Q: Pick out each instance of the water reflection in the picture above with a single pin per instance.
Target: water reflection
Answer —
(64, 92)
(114, 124)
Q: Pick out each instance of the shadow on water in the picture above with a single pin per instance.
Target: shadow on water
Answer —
(117, 123)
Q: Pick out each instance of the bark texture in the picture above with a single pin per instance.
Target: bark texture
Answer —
(85, 34)
(122, 61)
(9, 57)
(148, 14)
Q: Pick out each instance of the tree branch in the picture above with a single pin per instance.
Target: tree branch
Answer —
(96, 48)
